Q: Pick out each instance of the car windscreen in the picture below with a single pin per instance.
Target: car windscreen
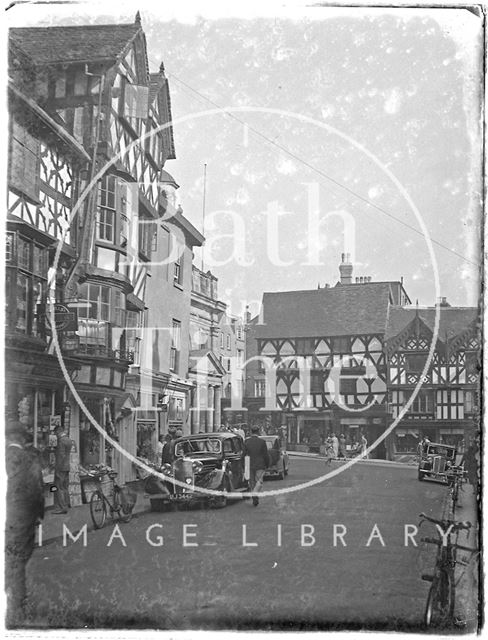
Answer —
(440, 451)
(203, 445)
(272, 444)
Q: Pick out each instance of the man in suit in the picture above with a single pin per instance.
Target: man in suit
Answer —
(255, 447)
(25, 509)
(167, 454)
(61, 471)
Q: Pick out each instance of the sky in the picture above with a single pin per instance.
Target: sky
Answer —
(312, 121)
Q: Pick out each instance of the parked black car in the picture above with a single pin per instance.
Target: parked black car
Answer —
(436, 461)
(206, 460)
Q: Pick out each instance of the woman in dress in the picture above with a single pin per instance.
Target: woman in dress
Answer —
(329, 451)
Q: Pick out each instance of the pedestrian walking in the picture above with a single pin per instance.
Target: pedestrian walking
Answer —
(342, 446)
(61, 471)
(255, 447)
(335, 445)
(329, 451)
(25, 509)
(364, 446)
(238, 431)
(159, 449)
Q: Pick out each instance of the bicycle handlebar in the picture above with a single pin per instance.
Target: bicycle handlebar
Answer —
(456, 526)
(438, 542)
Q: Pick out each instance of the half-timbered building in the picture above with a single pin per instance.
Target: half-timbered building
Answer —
(101, 191)
(44, 166)
(446, 407)
(321, 361)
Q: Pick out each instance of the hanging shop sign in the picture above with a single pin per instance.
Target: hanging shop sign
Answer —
(65, 319)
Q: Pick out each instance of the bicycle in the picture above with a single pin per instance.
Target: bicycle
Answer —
(99, 503)
(439, 610)
(456, 476)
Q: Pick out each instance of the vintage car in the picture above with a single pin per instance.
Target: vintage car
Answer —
(279, 461)
(436, 460)
(206, 460)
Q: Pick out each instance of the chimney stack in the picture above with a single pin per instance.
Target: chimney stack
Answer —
(345, 269)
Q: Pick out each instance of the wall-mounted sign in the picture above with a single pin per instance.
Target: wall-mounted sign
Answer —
(65, 319)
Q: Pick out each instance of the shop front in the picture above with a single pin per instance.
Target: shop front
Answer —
(113, 413)
(36, 397)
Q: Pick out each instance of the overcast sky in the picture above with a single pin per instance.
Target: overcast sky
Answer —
(360, 106)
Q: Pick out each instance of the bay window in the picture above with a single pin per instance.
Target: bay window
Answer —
(120, 224)
(103, 312)
(26, 285)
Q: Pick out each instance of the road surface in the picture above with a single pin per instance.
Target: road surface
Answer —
(331, 556)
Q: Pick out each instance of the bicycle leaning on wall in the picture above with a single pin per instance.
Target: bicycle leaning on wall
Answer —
(120, 501)
(439, 610)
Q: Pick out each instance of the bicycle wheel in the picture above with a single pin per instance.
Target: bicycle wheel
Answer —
(440, 601)
(98, 509)
(125, 514)
(455, 493)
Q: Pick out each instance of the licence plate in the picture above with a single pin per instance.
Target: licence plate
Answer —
(181, 496)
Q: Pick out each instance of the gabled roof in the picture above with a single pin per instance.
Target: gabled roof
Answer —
(85, 43)
(337, 311)
(452, 320)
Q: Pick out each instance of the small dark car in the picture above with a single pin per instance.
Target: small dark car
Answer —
(436, 460)
(207, 460)
(278, 458)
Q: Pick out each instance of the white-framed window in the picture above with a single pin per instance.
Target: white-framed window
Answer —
(228, 341)
(450, 404)
(175, 345)
(259, 388)
(178, 270)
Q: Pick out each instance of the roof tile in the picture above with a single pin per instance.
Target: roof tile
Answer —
(49, 45)
(337, 311)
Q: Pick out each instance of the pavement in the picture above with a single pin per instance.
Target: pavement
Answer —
(52, 528)
(467, 574)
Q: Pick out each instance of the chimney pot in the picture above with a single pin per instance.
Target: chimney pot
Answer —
(345, 269)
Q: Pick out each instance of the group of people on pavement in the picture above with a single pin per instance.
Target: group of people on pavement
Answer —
(336, 447)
